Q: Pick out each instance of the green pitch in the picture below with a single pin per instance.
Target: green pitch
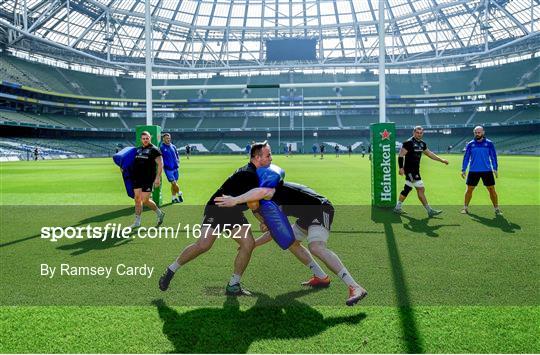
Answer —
(450, 284)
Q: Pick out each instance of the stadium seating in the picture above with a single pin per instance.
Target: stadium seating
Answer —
(509, 75)
(182, 123)
(530, 113)
(358, 120)
(75, 82)
(316, 122)
(448, 118)
(66, 146)
(263, 123)
(459, 81)
(92, 85)
(35, 74)
(491, 117)
(407, 120)
(28, 118)
(68, 121)
(105, 122)
(222, 122)
(267, 122)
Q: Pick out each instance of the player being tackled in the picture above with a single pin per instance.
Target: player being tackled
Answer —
(314, 215)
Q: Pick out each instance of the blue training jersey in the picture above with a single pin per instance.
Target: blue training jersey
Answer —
(170, 156)
(480, 156)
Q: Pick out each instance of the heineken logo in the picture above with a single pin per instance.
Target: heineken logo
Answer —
(385, 134)
(383, 184)
(386, 182)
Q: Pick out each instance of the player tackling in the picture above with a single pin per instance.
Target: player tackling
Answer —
(314, 214)
(217, 220)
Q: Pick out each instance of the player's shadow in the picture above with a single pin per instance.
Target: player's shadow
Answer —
(90, 244)
(422, 226)
(232, 330)
(87, 245)
(411, 334)
(497, 222)
(107, 216)
(104, 217)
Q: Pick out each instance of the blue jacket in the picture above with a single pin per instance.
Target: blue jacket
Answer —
(480, 156)
(170, 156)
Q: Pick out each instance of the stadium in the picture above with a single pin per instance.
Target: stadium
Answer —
(80, 79)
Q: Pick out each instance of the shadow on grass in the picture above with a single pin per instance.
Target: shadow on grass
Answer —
(422, 225)
(411, 336)
(232, 330)
(86, 245)
(496, 222)
(104, 217)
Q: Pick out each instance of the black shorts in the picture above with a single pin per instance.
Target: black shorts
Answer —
(223, 218)
(413, 175)
(146, 183)
(322, 215)
(474, 177)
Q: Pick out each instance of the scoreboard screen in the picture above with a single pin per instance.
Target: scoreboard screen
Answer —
(291, 49)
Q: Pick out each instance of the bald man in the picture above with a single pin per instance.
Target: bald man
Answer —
(481, 159)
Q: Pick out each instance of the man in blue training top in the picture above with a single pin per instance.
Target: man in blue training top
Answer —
(170, 166)
(481, 159)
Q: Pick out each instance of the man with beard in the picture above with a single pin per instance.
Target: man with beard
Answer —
(481, 159)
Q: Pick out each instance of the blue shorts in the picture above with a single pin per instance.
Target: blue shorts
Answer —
(172, 175)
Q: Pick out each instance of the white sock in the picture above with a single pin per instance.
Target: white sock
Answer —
(465, 207)
(398, 204)
(347, 278)
(174, 266)
(427, 207)
(316, 269)
(137, 219)
(235, 279)
(158, 212)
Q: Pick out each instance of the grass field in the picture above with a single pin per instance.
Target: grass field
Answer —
(450, 284)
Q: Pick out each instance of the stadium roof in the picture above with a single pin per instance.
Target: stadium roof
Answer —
(231, 34)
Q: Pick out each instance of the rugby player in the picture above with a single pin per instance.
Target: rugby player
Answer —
(188, 151)
(147, 169)
(481, 159)
(314, 214)
(216, 220)
(409, 165)
(171, 162)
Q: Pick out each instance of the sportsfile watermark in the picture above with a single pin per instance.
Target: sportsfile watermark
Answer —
(119, 231)
(84, 255)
